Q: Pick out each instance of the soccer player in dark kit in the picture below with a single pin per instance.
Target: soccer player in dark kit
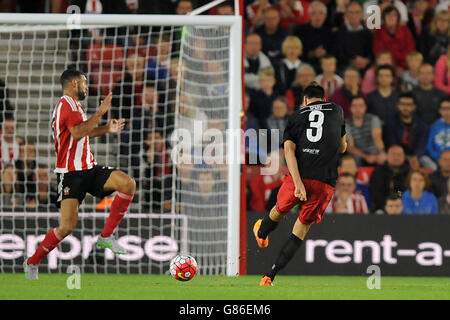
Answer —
(313, 140)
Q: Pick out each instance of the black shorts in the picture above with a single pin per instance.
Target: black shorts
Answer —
(75, 184)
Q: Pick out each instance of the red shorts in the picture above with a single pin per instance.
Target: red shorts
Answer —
(318, 195)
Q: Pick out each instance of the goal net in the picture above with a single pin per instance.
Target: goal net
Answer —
(176, 81)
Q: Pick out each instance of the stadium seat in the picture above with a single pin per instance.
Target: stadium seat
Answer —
(104, 55)
(364, 174)
(105, 67)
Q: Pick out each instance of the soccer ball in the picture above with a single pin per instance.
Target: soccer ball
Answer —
(183, 267)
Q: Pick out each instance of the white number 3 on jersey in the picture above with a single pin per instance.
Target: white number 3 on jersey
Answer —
(316, 118)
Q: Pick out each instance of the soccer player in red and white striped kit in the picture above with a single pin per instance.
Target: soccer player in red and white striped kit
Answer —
(78, 172)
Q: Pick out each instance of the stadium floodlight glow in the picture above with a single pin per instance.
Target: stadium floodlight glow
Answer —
(36, 48)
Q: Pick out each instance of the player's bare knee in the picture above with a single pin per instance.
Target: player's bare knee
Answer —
(129, 186)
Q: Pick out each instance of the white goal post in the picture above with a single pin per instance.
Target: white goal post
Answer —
(27, 22)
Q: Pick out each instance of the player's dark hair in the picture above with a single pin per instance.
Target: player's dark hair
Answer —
(357, 97)
(394, 196)
(314, 90)
(68, 75)
(385, 67)
(407, 95)
(388, 10)
(352, 2)
(445, 99)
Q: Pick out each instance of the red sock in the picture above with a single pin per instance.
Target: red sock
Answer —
(119, 206)
(51, 241)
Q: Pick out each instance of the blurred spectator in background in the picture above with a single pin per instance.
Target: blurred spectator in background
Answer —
(251, 122)
(11, 198)
(316, 37)
(416, 200)
(127, 92)
(286, 69)
(255, 13)
(328, 79)
(158, 67)
(183, 6)
(206, 190)
(443, 5)
(305, 76)
(6, 111)
(46, 193)
(261, 186)
(444, 200)
(389, 177)
(190, 118)
(440, 177)
(384, 4)
(364, 135)
(393, 37)
(102, 6)
(349, 165)
(150, 115)
(439, 133)
(427, 96)
(80, 40)
(157, 6)
(9, 142)
(26, 171)
(185, 166)
(345, 198)
(156, 181)
(434, 40)
(383, 101)
(254, 61)
(253, 149)
(272, 35)
(353, 40)
(336, 13)
(261, 100)
(350, 89)
(419, 17)
(293, 13)
(137, 42)
(442, 72)
(409, 131)
(127, 104)
(393, 205)
(278, 119)
(409, 79)
(369, 82)
(224, 8)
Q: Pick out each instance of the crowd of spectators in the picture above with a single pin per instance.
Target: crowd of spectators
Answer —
(393, 84)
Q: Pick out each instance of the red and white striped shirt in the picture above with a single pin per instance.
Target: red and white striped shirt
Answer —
(71, 154)
(356, 203)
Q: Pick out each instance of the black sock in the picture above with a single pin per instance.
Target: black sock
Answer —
(286, 254)
(267, 226)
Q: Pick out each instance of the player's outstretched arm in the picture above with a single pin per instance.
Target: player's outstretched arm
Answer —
(291, 160)
(87, 127)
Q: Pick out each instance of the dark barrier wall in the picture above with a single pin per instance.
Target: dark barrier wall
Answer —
(151, 241)
(348, 244)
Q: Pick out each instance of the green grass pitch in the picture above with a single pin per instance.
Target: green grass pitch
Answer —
(163, 287)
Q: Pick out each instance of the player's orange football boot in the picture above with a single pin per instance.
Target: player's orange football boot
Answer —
(265, 282)
(262, 243)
